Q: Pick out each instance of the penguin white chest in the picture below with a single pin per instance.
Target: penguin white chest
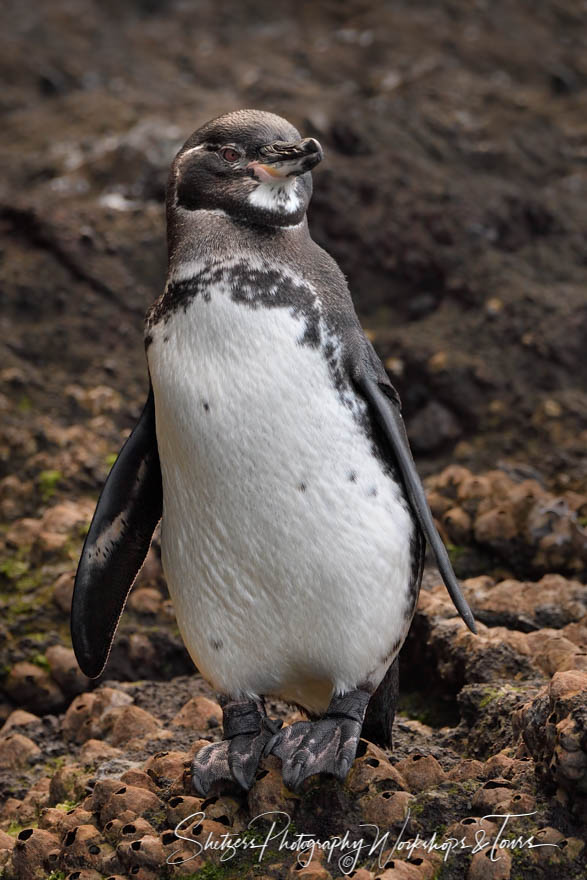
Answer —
(286, 542)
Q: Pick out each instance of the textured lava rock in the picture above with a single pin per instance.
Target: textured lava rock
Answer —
(520, 523)
(92, 715)
(484, 868)
(131, 722)
(554, 729)
(18, 718)
(35, 854)
(65, 670)
(31, 686)
(129, 798)
(63, 591)
(94, 751)
(167, 767)
(69, 783)
(199, 714)
(421, 772)
(17, 750)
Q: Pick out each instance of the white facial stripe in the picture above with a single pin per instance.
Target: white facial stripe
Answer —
(192, 150)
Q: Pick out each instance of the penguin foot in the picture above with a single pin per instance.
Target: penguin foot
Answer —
(328, 745)
(247, 731)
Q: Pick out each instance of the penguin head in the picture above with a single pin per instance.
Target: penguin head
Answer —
(252, 165)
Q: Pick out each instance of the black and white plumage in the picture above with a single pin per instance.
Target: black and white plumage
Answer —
(292, 514)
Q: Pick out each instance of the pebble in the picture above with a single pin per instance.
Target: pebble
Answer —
(19, 718)
(31, 686)
(133, 722)
(421, 772)
(17, 750)
(129, 798)
(63, 591)
(199, 714)
(65, 670)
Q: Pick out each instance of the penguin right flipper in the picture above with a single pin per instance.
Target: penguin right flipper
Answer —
(117, 542)
(373, 383)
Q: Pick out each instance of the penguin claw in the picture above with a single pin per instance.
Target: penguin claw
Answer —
(307, 748)
(268, 748)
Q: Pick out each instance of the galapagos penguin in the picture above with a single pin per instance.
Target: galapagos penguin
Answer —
(273, 449)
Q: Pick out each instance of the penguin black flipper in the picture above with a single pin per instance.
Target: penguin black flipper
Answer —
(117, 542)
(373, 383)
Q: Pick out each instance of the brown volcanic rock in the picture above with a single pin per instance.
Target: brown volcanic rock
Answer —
(35, 854)
(129, 798)
(65, 670)
(527, 527)
(498, 653)
(63, 591)
(199, 714)
(26, 811)
(554, 652)
(554, 729)
(166, 767)
(94, 751)
(421, 772)
(553, 601)
(484, 868)
(57, 525)
(145, 600)
(60, 821)
(69, 783)
(84, 847)
(17, 750)
(487, 711)
(458, 657)
(19, 718)
(374, 771)
(31, 686)
(92, 715)
(132, 722)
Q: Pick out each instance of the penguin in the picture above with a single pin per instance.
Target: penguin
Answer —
(272, 448)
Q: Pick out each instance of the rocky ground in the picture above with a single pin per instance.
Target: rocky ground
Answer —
(453, 196)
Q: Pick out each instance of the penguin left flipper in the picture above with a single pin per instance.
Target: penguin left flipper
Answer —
(117, 542)
(372, 382)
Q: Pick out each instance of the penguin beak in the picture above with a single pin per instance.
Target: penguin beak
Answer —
(281, 160)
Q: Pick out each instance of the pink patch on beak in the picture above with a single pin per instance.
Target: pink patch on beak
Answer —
(266, 172)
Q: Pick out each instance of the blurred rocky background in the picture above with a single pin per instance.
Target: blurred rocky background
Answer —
(454, 197)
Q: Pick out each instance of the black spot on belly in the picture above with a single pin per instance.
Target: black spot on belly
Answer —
(302, 487)
(206, 406)
(148, 340)
(353, 476)
(216, 644)
(372, 493)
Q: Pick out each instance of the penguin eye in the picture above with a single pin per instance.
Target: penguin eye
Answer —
(230, 154)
